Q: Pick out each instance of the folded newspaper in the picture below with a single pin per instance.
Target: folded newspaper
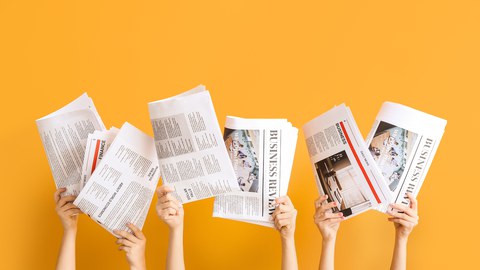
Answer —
(122, 186)
(192, 156)
(98, 143)
(261, 152)
(64, 135)
(342, 164)
(403, 142)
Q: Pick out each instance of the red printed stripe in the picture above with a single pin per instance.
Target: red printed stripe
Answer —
(97, 147)
(359, 163)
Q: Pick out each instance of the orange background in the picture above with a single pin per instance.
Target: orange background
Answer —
(292, 59)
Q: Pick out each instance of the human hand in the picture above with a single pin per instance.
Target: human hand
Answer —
(169, 209)
(327, 221)
(66, 210)
(134, 246)
(285, 216)
(406, 221)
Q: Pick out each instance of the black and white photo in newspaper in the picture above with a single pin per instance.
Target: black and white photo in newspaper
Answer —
(403, 142)
(343, 168)
(261, 152)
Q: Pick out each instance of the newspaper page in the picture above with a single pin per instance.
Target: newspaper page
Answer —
(192, 156)
(342, 165)
(122, 186)
(261, 152)
(64, 135)
(403, 142)
(98, 143)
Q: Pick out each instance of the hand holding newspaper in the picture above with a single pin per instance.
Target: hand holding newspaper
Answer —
(121, 188)
(343, 168)
(403, 142)
(64, 135)
(192, 156)
(261, 152)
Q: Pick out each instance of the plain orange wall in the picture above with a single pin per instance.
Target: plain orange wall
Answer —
(292, 59)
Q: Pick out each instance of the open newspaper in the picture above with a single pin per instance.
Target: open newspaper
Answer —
(121, 188)
(342, 164)
(261, 152)
(64, 135)
(403, 142)
(192, 156)
(98, 143)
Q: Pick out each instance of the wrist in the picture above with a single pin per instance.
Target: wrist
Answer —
(288, 240)
(329, 240)
(139, 266)
(71, 231)
(178, 230)
(401, 238)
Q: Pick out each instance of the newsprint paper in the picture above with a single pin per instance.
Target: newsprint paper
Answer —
(403, 142)
(192, 156)
(261, 152)
(343, 167)
(122, 186)
(64, 136)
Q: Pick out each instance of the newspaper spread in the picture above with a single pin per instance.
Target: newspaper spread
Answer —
(64, 135)
(122, 186)
(192, 156)
(98, 143)
(261, 152)
(403, 142)
(343, 167)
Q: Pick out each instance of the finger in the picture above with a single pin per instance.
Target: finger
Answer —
(163, 190)
(328, 206)
(282, 209)
(57, 194)
(279, 223)
(67, 206)
(319, 201)
(168, 212)
(136, 231)
(126, 235)
(66, 199)
(73, 212)
(165, 198)
(283, 199)
(402, 216)
(283, 216)
(403, 208)
(169, 204)
(333, 221)
(402, 222)
(413, 201)
(124, 242)
(333, 215)
(124, 248)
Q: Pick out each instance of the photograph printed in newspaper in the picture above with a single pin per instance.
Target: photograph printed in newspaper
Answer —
(261, 152)
(342, 165)
(403, 142)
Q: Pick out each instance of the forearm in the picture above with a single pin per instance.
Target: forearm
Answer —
(327, 257)
(175, 259)
(66, 255)
(289, 254)
(399, 259)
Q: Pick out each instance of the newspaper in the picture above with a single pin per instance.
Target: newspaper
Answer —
(403, 142)
(98, 143)
(261, 152)
(192, 156)
(342, 165)
(64, 135)
(122, 186)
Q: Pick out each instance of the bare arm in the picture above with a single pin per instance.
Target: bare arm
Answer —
(284, 217)
(68, 214)
(170, 211)
(328, 224)
(404, 224)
